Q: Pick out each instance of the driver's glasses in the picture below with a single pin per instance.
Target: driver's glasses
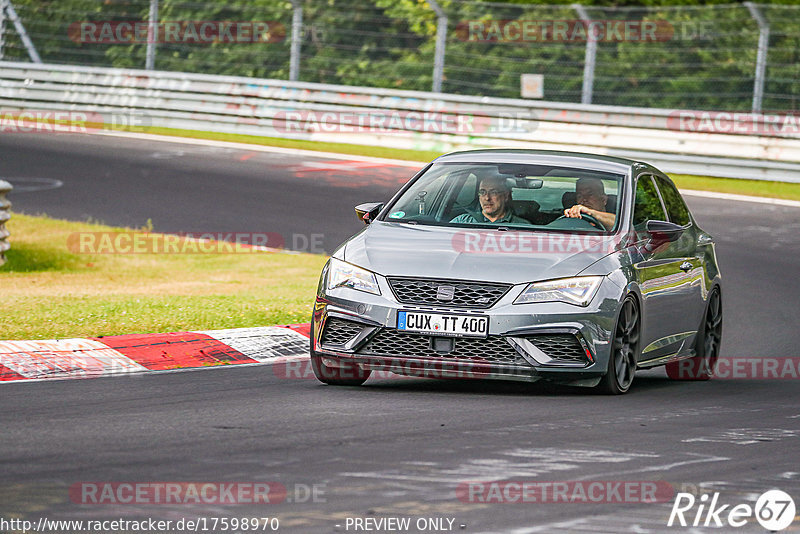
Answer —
(494, 193)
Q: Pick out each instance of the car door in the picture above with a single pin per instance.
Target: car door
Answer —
(690, 260)
(661, 279)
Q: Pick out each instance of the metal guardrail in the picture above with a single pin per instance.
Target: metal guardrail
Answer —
(719, 56)
(5, 215)
(321, 112)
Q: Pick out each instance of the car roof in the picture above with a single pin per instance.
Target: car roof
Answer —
(543, 157)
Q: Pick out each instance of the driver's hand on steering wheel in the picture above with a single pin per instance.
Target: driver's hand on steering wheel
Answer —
(575, 213)
(576, 210)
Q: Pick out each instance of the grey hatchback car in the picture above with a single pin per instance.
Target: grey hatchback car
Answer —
(522, 265)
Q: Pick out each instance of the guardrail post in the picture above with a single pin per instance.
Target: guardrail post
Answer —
(761, 57)
(152, 35)
(589, 57)
(5, 187)
(23, 35)
(2, 27)
(297, 36)
(441, 44)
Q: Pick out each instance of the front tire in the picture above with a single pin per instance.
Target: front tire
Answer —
(348, 374)
(624, 350)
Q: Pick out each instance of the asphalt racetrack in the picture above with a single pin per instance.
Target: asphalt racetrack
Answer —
(394, 448)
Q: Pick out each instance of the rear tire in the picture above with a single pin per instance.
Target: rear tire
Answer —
(348, 374)
(706, 345)
(624, 350)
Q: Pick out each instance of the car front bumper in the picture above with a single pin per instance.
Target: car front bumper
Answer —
(556, 341)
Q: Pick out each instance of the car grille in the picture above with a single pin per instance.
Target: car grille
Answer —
(465, 295)
(494, 349)
(339, 331)
(561, 347)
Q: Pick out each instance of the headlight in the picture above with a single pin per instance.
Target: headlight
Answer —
(579, 291)
(341, 274)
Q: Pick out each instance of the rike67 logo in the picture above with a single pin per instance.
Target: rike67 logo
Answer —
(774, 510)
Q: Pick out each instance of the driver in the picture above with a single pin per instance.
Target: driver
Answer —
(590, 198)
(494, 196)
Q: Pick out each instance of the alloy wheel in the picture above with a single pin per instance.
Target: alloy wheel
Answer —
(626, 344)
(713, 333)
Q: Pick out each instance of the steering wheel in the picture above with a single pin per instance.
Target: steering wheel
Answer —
(585, 217)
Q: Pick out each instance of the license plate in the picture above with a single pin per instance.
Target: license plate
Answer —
(443, 324)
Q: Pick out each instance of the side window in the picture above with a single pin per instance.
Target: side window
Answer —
(647, 205)
(676, 207)
(424, 197)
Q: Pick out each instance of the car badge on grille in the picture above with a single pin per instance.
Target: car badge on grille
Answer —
(445, 293)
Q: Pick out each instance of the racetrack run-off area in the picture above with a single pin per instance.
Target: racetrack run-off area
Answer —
(393, 448)
(139, 353)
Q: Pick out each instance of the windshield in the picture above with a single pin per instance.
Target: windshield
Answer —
(513, 195)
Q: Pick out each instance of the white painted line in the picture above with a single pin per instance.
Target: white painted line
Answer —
(64, 358)
(742, 198)
(263, 148)
(264, 343)
(657, 468)
(745, 436)
(394, 162)
(59, 359)
(274, 361)
(557, 526)
(236, 244)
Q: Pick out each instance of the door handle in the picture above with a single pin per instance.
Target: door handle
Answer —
(686, 266)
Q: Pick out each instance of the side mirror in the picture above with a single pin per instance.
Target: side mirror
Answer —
(367, 212)
(663, 231)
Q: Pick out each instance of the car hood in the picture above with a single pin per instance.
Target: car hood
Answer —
(397, 249)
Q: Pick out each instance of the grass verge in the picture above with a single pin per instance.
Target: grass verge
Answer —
(339, 148)
(756, 188)
(49, 290)
(761, 188)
